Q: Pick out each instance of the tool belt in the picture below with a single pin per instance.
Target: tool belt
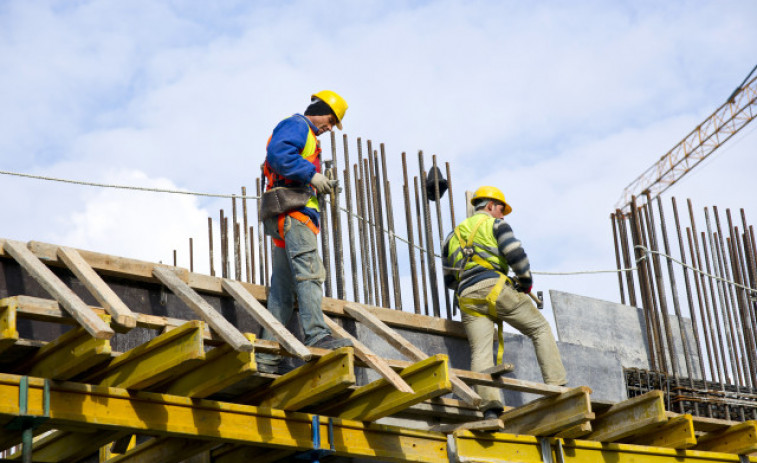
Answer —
(280, 200)
(491, 302)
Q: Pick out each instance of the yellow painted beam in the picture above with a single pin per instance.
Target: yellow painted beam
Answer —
(171, 353)
(60, 446)
(235, 454)
(676, 433)
(222, 367)
(163, 450)
(107, 408)
(549, 415)
(312, 383)
(630, 417)
(739, 439)
(501, 447)
(428, 378)
(8, 331)
(69, 355)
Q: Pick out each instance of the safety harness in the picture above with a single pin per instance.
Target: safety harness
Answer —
(471, 253)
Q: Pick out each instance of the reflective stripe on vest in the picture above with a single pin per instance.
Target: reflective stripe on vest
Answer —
(311, 152)
(474, 244)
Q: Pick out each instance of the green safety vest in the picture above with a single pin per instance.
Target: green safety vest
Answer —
(474, 244)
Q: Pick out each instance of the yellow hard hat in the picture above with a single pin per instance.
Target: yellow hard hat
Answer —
(335, 102)
(490, 192)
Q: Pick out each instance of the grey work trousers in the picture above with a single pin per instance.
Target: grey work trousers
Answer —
(518, 311)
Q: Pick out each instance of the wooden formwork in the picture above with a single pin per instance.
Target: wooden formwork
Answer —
(193, 388)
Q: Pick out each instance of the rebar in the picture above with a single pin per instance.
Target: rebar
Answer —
(410, 238)
(390, 227)
(429, 241)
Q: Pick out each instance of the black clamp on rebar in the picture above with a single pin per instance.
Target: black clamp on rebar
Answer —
(317, 453)
(25, 422)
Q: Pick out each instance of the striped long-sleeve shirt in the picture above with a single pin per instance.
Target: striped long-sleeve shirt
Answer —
(508, 246)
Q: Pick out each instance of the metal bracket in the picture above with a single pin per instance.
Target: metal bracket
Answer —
(317, 453)
(25, 422)
(546, 449)
(452, 448)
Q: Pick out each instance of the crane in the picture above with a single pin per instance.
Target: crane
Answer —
(738, 111)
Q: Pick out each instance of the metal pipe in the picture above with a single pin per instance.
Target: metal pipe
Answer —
(235, 232)
(368, 209)
(674, 292)
(661, 288)
(224, 247)
(427, 309)
(617, 258)
(248, 267)
(191, 256)
(626, 256)
(378, 215)
(210, 247)
(429, 241)
(336, 224)
(410, 238)
(730, 306)
(437, 200)
(450, 195)
(325, 248)
(689, 298)
(705, 327)
(721, 297)
(643, 285)
(252, 256)
(392, 239)
(655, 315)
(365, 266)
(350, 226)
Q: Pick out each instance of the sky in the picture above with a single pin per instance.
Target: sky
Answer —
(560, 104)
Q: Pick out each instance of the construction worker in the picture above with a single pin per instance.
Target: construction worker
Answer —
(478, 254)
(293, 160)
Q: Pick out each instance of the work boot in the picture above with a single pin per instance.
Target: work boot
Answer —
(331, 343)
(493, 413)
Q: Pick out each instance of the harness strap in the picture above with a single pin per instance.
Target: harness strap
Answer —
(469, 250)
(279, 243)
(491, 302)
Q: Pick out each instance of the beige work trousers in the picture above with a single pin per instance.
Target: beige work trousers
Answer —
(518, 311)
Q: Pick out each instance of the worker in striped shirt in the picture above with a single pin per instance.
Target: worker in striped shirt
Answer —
(478, 255)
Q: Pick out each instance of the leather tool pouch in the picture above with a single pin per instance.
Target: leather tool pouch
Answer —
(281, 200)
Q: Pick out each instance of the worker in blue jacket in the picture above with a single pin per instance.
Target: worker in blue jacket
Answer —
(293, 160)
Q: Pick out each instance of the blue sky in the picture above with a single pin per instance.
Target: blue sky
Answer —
(561, 104)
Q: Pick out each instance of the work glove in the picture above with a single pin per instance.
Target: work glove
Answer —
(521, 288)
(322, 184)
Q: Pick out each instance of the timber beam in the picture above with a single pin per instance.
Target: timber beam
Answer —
(69, 355)
(466, 446)
(630, 418)
(174, 352)
(549, 415)
(8, 330)
(740, 439)
(428, 378)
(676, 433)
(310, 384)
(107, 408)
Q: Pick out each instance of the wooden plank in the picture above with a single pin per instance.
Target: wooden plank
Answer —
(500, 369)
(69, 355)
(630, 417)
(222, 367)
(157, 360)
(576, 432)
(216, 321)
(266, 319)
(493, 424)
(740, 439)
(8, 331)
(99, 289)
(549, 415)
(372, 360)
(310, 384)
(428, 378)
(408, 349)
(676, 433)
(62, 293)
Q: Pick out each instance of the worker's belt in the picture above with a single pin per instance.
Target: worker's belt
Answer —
(491, 301)
(297, 215)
